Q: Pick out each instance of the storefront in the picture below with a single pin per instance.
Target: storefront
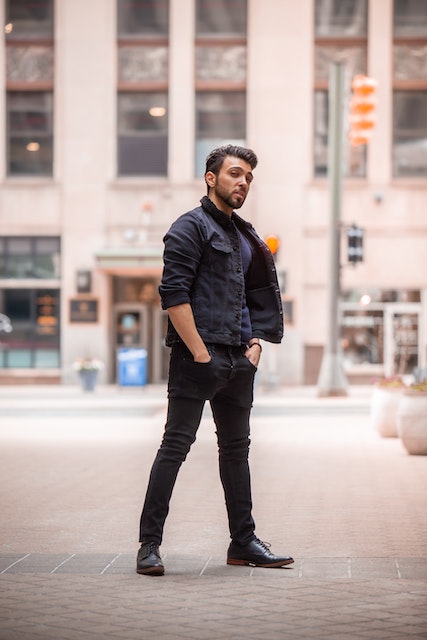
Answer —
(138, 321)
(30, 308)
(381, 333)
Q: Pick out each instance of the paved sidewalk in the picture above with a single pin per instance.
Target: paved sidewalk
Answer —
(347, 504)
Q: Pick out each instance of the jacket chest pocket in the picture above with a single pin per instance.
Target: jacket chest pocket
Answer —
(221, 256)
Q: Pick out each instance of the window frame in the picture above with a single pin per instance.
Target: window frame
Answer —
(34, 345)
(218, 35)
(44, 86)
(32, 255)
(216, 86)
(408, 86)
(322, 85)
(145, 37)
(138, 87)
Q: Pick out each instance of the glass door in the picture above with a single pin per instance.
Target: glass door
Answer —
(402, 343)
(131, 325)
(130, 329)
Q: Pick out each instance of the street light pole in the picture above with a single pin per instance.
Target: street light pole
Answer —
(332, 380)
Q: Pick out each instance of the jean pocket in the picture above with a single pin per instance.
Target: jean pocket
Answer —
(251, 364)
(197, 379)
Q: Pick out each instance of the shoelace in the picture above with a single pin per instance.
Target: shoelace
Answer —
(265, 545)
(151, 547)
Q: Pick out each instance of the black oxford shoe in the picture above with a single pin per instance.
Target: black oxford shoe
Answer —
(149, 561)
(255, 554)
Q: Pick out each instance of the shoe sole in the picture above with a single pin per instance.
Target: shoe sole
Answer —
(151, 571)
(248, 563)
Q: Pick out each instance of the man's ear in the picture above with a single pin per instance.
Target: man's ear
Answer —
(210, 179)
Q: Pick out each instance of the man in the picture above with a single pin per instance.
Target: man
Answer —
(219, 286)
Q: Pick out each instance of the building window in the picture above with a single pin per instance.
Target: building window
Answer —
(136, 18)
(30, 132)
(143, 135)
(30, 257)
(221, 18)
(32, 313)
(142, 102)
(220, 119)
(33, 341)
(410, 89)
(220, 74)
(29, 19)
(340, 35)
(29, 87)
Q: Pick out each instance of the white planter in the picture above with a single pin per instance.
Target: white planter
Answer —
(384, 405)
(412, 422)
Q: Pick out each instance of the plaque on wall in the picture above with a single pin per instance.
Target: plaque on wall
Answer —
(83, 310)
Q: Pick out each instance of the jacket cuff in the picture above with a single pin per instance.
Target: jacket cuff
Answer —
(174, 299)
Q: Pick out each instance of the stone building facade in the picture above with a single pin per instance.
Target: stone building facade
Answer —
(108, 110)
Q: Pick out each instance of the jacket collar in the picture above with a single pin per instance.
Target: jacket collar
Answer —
(219, 216)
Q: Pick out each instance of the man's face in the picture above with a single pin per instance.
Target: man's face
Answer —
(228, 189)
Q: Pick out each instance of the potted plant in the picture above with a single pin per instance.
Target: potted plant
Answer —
(384, 404)
(412, 418)
(88, 370)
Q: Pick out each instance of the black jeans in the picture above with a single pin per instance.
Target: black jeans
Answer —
(227, 382)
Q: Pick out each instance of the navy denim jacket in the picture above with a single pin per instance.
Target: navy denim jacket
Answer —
(203, 267)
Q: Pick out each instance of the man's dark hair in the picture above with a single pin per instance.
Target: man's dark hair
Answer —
(216, 157)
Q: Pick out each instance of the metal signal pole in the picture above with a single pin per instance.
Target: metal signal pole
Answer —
(332, 380)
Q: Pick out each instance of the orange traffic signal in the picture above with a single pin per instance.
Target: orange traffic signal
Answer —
(273, 243)
(362, 109)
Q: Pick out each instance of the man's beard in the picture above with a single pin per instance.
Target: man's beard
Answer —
(228, 198)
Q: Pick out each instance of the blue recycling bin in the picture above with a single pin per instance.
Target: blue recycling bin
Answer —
(132, 367)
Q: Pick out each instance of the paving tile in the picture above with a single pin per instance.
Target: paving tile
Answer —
(39, 563)
(220, 568)
(121, 563)
(86, 563)
(325, 568)
(412, 568)
(7, 561)
(362, 568)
